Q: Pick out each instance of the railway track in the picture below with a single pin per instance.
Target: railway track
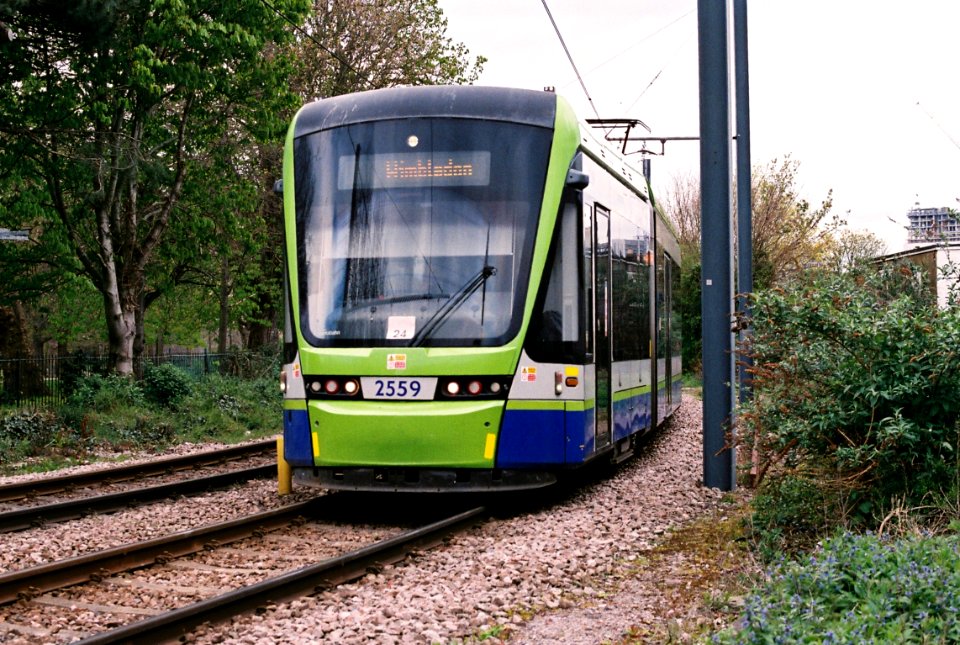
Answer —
(39, 509)
(53, 587)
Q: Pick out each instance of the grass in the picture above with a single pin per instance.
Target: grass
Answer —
(704, 571)
(693, 384)
(107, 418)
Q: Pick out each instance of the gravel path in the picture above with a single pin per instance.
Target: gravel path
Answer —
(554, 576)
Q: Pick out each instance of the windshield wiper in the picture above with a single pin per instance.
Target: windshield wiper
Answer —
(455, 302)
(392, 300)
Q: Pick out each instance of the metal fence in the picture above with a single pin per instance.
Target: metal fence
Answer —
(46, 381)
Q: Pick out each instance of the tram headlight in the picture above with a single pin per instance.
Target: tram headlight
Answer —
(283, 381)
(453, 388)
(351, 387)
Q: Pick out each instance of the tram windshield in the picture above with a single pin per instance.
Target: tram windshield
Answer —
(417, 232)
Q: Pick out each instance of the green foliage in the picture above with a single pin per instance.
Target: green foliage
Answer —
(231, 407)
(75, 367)
(790, 513)
(860, 589)
(27, 433)
(96, 393)
(856, 379)
(136, 106)
(691, 318)
(111, 413)
(165, 384)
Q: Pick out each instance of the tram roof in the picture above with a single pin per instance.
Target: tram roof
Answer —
(459, 101)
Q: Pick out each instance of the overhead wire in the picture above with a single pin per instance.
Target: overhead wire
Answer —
(641, 41)
(940, 127)
(657, 75)
(570, 58)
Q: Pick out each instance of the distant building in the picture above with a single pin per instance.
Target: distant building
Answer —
(938, 225)
(932, 259)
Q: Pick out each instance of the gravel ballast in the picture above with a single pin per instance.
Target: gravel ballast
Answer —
(584, 570)
(551, 576)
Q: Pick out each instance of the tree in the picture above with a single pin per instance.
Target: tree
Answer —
(855, 379)
(351, 46)
(848, 249)
(105, 106)
(682, 204)
(788, 234)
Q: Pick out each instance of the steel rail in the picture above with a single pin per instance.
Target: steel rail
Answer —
(294, 584)
(48, 485)
(31, 582)
(24, 518)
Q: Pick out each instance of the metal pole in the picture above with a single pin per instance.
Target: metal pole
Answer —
(744, 213)
(715, 245)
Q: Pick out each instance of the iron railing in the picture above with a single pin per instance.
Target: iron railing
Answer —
(46, 381)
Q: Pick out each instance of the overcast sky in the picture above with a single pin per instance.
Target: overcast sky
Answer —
(865, 94)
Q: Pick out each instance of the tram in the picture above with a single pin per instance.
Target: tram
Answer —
(479, 294)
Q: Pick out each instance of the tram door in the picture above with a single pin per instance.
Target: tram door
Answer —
(602, 304)
(667, 319)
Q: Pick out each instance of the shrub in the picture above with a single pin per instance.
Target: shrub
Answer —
(97, 393)
(231, 407)
(859, 589)
(34, 428)
(855, 379)
(790, 513)
(75, 367)
(165, 384)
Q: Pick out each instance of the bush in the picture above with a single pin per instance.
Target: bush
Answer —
(75, 367)
(855, 380)
(27, 433)
(231, 407)
(691, 319)
(165, 384)
(859, 589)
(117, 413)
(790, 513)
(97, 393)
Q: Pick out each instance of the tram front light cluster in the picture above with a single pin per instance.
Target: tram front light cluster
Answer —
(467, 386)
(333, 386)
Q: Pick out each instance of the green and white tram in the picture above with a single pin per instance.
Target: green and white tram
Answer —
(479, 295)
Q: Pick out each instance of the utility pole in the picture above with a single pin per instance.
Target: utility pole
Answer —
(744, 190)
(719, 458)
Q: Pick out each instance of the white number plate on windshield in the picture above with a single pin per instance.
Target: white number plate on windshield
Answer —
(404, 388)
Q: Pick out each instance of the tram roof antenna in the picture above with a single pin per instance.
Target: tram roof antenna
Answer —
(570, 58)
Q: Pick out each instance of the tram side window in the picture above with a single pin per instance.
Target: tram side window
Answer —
(555, 330)
(630, 309)
(676, 321)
